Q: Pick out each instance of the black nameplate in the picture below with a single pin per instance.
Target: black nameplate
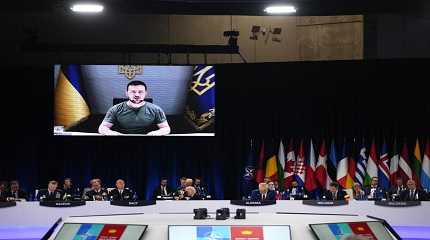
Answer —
(133, 203)
(7, 204)
(62, 204)
(252, 203)
(327, 203)
(398, 204)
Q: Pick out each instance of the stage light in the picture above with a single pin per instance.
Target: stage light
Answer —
(280, 9)
(87, 8)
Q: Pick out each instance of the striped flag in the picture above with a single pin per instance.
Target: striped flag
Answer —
(310, 183)
(425, 172)
(281, 165)
(360, 172)
(342, 168)
(70, 106)
(416, 164)
(300, 171)
(259, 176)
(290, 165)
(405, 171)
(394, 164)
(372, 165)
(271, 163)
(351, 166)
(383, 168)
(331, 164)
(321, 169)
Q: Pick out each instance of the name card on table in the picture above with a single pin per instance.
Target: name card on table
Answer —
(327, 203)
(7, 204)
(133, 203)
(398, 204)
(252, 203)
(62, 203)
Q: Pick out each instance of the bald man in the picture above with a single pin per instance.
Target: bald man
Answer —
(120, 193)
(412, 193)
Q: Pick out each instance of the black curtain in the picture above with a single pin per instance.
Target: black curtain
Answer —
(379, 99)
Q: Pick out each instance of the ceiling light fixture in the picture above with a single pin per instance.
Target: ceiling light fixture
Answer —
(280, 9)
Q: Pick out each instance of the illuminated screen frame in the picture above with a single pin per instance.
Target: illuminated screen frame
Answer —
(140, 237)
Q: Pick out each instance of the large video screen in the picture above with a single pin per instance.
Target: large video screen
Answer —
(372, 230)
(93, 231)
(134, 100)
(229, 232)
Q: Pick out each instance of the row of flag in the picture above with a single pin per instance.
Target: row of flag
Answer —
(352, 164)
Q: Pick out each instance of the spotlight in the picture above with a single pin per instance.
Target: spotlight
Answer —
(280, 9)
(87, 8)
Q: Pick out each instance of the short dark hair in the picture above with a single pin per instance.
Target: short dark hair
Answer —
(334, 184)
(136, 83)
(53, 182)
(183, 178)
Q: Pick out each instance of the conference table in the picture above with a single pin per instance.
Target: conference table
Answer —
(29, 220)
(68, 133)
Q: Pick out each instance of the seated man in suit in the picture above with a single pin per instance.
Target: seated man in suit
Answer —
(97, 193)
(294, 192)
(374, 192)
(180, 190)
(120, 193)
(412, 193)
(52, 193)
(69, 191)
(262, 193)
(201, 190)
(163, 190)
(3, 191)
(396, 190)
(15, 193)
(358, 192)
(334, 193)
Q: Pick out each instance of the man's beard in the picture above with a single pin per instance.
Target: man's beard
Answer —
(136, 101)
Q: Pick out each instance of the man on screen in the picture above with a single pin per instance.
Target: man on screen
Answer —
(135, 116)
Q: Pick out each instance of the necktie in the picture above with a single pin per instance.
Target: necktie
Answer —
(16, 194)
(410, 195)
(164, 191)
(263, 197)
(334, 196)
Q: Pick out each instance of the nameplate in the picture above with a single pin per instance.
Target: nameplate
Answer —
(7, 204)
(132, 203)
(61, 204)
(327, 203)
(398, 204)
(252, 203)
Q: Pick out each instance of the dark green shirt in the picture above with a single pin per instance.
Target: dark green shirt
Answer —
(126, 119)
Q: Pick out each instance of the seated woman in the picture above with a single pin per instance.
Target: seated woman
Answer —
(358, 192)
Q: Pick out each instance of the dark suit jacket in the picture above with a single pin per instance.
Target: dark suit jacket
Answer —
(419, 195)
(43, 195)
(379, 192)
(158, 192)
(340, 195)
(256, 195)
(116, 196)
(3, 196)
(300, 191)
(92, 195)
(21, 194)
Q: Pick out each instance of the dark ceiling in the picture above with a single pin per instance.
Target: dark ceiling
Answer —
(226, 7)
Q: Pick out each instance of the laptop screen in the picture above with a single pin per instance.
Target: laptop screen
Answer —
(93, 231)
(229, 232)
(372, 230)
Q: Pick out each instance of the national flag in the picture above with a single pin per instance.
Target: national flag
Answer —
(70, 107)
(383, 168)
(416, 164)
(281, 165)
(321, 168)
(200, 105)
(342, 168)
(394, 164)
(246, 232)
(405, 171)
(351, 167)
(290, 165)
(372, 165)
(259, 176)
(331, 164)
(112, 232)
(360, 171)
(310, 181)
(300, 170)
(271, 163)
(249, 172)
(425, 172)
